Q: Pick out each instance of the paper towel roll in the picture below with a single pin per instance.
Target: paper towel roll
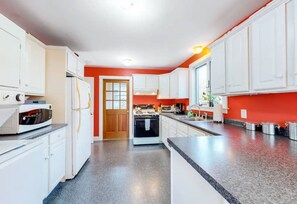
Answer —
(218, 113)
(5, 114)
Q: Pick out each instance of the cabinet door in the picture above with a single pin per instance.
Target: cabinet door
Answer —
(57, 164)
(292, 42)
(45, 167)
(21, 178)
(183, 83)
(71, 63)
(33, 73)
(218, 69)
(195, 133)
(10, 58)
(139, 82)
(237, 62)
(268, 35)
(152, 82)
(164, 86)
(80, 69)
(174, 85)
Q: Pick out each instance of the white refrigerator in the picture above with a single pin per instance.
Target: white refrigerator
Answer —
(78, 141)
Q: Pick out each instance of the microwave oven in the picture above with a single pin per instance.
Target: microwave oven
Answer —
(26, 117)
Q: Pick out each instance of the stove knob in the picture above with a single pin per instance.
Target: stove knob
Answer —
(19, 97)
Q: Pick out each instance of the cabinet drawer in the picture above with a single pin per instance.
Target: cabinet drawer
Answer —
(195, 132)
(172, 123)
(181, 127)
(57, 136)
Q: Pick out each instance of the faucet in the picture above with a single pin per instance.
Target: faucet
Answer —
(195, 106)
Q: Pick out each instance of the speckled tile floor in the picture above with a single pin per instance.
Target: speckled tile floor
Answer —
(118, 172)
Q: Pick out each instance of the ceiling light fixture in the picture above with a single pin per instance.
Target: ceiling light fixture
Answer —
(127, 62)
(198, 49)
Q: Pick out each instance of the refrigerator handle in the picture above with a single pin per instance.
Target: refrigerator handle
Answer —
(79, 106)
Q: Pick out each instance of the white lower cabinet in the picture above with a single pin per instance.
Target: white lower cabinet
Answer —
(173, 128)
(188, 186)
(45, 167)
(57, 161)
(20, 176)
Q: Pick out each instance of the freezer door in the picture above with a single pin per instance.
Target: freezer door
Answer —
(81, 138)
(81, 93)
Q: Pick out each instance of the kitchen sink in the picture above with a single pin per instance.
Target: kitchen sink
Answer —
(187, 118)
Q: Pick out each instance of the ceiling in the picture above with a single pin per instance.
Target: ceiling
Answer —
(153, 33)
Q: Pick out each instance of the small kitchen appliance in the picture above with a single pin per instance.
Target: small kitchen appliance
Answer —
(167, 109)
(292, 126)
(25, 117)
(179, 109)
(146, 125)
(252, 126)
(269, 128)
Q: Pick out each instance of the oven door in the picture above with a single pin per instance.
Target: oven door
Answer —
(35, 117)
(146, 127)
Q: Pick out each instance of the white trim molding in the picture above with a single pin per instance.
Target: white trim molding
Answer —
(129, 78)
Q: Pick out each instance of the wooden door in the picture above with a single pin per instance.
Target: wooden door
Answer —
(115, 109)
(218, 69)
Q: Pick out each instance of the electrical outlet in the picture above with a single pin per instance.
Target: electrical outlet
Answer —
(243, 113)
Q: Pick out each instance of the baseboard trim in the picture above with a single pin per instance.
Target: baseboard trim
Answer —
(97, 138)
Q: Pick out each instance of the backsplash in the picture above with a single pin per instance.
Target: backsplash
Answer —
(278, 108)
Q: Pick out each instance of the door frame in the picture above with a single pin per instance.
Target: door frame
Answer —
(129, 78)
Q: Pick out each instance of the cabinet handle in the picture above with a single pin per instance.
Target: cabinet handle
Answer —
(46, 158)
(52, 154)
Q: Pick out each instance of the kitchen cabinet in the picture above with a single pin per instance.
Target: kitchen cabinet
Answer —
(57, 153)
(268, 50)
(45, 167)
(33, 73)
(188, 186)
(80, 69)
(61, 59)
(292, 43)
(179, 83)
(12, 49)
(172, 128)
(218, 67)
(146, 84)
(21, 175)
(237, 62)
(164, 86)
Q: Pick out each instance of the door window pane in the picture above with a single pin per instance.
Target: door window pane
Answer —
(116, 105)
(109, 96)
(123, 86)
(123, 104)
(108, 86)
(108, 105)
(116, 96)
(123, 96)
(116, 87)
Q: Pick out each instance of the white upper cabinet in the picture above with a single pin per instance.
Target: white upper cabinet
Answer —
(71, 63)
(268, 51)
(80, 69)
(33, 73)
(145, 84)
(218, 66)
(164, 86)
(179, 83)
(12, 49)
(237, 62)
(292, 42)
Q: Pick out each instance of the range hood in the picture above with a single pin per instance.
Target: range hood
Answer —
(145, 92)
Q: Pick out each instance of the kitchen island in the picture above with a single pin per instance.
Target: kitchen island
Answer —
(240, 166)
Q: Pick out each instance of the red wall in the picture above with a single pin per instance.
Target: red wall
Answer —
(277, 108)
(99, 71)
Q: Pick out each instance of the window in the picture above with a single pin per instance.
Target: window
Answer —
(200, 86)
(202, 83)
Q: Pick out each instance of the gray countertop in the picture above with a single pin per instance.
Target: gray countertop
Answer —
(243, 166)
(33, 134)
